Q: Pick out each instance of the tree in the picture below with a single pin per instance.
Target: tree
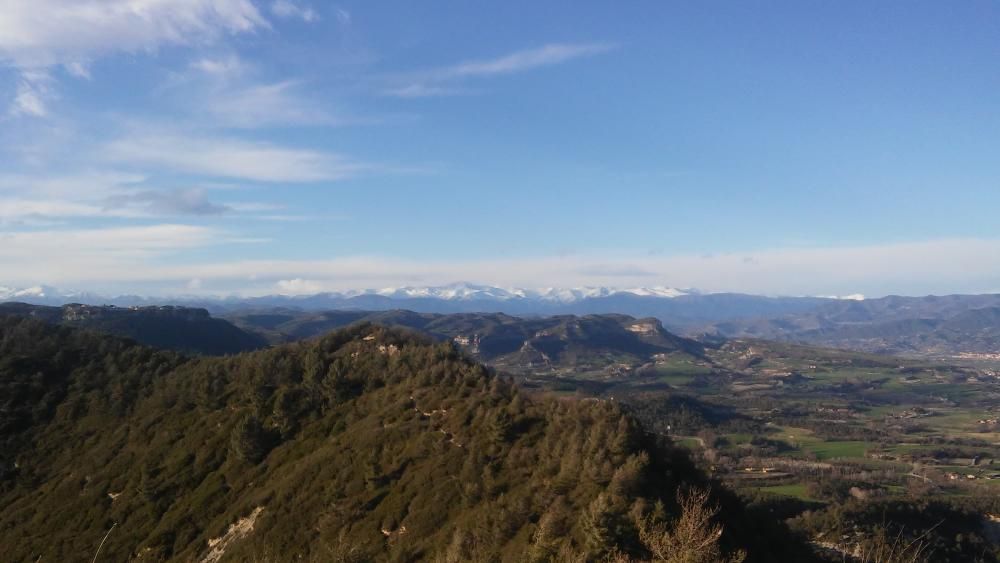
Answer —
(149, 486)
(212, 389)
(501, 426)
(289, 406)
(600, 525)
(551, 530)
(624, 440)
(314, 367)
(628, 477)
(250, 441)
(373, 474)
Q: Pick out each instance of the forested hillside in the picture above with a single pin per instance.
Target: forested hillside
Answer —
(367, 444)
(184, 329)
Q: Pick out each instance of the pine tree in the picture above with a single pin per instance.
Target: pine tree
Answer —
(628, 477)
(149, 488)
(550, 532)
(288, 407)
(501, 426)
(314, 371)
(212, 389)
(250, 441)
(600, 525)
(373, 474)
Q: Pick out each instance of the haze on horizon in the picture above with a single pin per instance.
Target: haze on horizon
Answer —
(257, 146)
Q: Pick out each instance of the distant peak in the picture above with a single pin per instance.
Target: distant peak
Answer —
(471, 291)
(457, 291)
(851, 297)
(38, 291)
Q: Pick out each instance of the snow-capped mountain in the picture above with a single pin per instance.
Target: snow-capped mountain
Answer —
(36, 292)
(851, 297)
(461, 291)
(679, 306)
(10, 292)
(469, 291)
(569, 295)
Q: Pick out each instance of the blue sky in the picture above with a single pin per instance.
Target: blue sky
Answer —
(239, 146)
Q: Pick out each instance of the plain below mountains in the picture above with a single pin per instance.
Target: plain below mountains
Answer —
(954, 325)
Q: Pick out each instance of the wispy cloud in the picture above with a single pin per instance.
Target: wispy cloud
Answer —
(141, 204)
(419, 90)
(442, 81)
(228, 66)
(18, 210)
(34, 92)
(62, 254)
(970, 265)
(343, 16)
(524, 60)
(35, 33)
(289, 9)
(191, 201)
(226, 157)
(228, 91)
(33, 200)
(91, 183)
(78, 69)
(38, 34)
(263, 105)
(44, 250)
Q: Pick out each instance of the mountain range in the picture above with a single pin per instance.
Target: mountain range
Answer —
(563, 344)
(949, 325)
(560, 343)
(674, 306)
(456, 291)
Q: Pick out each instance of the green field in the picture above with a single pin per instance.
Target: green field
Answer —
(676, 379)
(691, 443)
(831, 450)
(738, 438)
(797, 490)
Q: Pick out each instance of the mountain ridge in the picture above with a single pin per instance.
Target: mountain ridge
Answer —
(673, 306)
(182, 329)
(453, 291)
(563, 343)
